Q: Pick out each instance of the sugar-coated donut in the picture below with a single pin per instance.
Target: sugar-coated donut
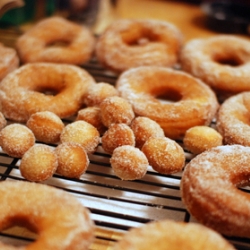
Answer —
(46, 126)
(98, 92)
(118, 134)
(200, 138)
(9, 60)
(115, 109)
(38, 163)
(222, 61)
(209, 189)
(191, 101)
(36, 87)
(164, 155)
(56, 40)
(129, 43)
(172, 235)
(233, 120)
(129, 163)
(58, 218)
(16, 139)
(72, 159)
(144, 128)
(83, 133)
(3, 121)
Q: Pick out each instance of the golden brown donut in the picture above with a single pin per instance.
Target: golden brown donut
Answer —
(172, 235)
(46, 126)
(16, 139)
(200, 138)
(164, 155)
(72, 159)
(222, 62)
(58, 218)
(9, 60)
(233, 120)
(36, 87)
(209, 189)
(129, 163)
(38, 163)
(56, 40)
(144, 128)
(187, 101)
(83, 133)
(118, 134)
(129, 43)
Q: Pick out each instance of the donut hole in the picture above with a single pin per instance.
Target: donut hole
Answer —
(48, 91)
(231, 60)
(171, 95)
(58, 44)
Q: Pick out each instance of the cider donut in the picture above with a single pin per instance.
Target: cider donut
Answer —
(222, 62)
(39, 208)
(191, 103)
(56, 40)
(172, 235)
(209, 188)
(128, 43)
(9, 60)
(58, 88)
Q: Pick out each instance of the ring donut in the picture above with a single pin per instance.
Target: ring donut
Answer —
(57, 40)
(39, 208)
(36, 87)
(222, 61)
(129, 43)
(192, 102)
(209, 189)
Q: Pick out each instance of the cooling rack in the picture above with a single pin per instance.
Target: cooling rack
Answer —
(115, 205)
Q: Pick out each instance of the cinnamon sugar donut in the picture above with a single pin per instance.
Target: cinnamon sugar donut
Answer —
(46, 126)
(38, 163)
(36, 87)
(222, 62)
(209, 188)
(129, 163)
(172, 235)
(9, 60)
(16, 139)
(72, 160)
(187, 101)
(128, 43)
(118, 134)
(164, 155)
(58, 218)
(56, 40)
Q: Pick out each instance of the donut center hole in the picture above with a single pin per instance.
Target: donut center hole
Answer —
(169, 96)
(58, 44)
(48, 91)
(228, 60)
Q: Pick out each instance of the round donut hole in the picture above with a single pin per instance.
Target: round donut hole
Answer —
(58, 44)
(169, 95)
(230, 60)
(48, 91)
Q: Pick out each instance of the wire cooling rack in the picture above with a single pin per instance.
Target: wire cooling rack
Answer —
(115, 205)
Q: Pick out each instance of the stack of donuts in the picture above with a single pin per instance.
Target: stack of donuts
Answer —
(171, 98)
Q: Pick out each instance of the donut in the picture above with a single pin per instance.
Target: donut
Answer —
(115, 109)
(16, 139)
(98, 92)
(72, 159)
(35, 87)
(200, 138)
(118, 134)
(9, 60)
(164, 155)
(128, 43)
(210, 189)
(129, 163)
(38, 163)
(144, 128)
(221, 61)
(56, 40)
(187, 101)
(83, 133)
(39, 208)
(172, 235)
(233, 120)
(46, 126)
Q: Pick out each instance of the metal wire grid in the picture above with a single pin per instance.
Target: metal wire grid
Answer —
(115, 205)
